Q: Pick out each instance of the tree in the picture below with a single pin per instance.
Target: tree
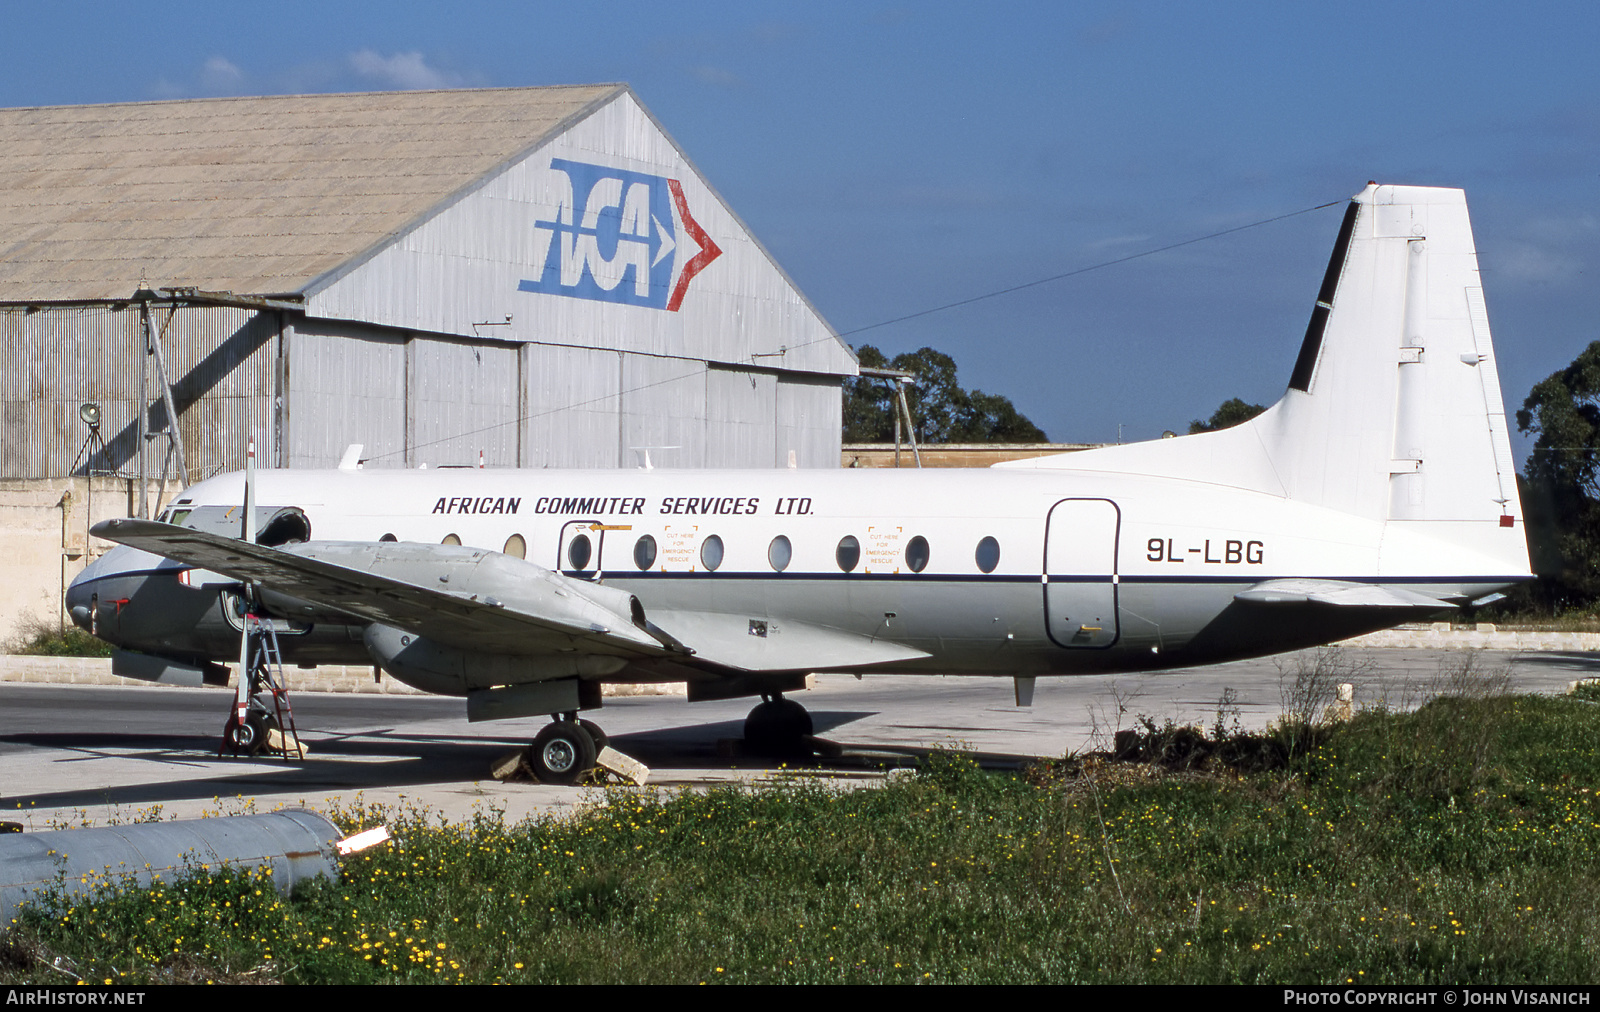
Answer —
(1561, 485)
(866, 406)
(1231, 413)
(942, 410)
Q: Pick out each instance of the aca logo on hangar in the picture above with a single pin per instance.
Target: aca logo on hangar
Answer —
(614, 238)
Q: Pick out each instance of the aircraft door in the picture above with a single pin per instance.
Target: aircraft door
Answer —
(582, 549)
(1080, 573)
(582, 543)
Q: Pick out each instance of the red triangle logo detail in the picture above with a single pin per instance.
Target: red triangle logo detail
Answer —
(709, 250)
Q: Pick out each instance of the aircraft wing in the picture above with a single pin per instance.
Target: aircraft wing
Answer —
(551, 613)
(479, 600)
(1339, 593)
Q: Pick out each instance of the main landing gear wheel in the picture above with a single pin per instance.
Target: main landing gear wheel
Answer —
(777, 727)
(563, 752)
(601, 739)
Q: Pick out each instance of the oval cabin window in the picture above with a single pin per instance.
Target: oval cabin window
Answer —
(515, 545)
(578, 551)
(711, 553)
(917, 554)
(644, 552)
(451, 539)
(988, 555)
(779, 553)
(848, 553)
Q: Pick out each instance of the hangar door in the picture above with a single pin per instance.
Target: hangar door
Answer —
(1080, 573)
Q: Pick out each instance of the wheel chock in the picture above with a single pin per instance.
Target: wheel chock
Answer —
(511, 766)
(626, 767)
(282, 744)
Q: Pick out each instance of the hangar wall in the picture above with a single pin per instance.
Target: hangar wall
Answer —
(413, 399)
(222, 363)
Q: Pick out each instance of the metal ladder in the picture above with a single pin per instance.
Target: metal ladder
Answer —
(265, 676)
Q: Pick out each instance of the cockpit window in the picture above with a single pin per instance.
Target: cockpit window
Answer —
(275, 525)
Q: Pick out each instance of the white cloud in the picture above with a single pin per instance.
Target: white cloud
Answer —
(219, 74)
(405, 71)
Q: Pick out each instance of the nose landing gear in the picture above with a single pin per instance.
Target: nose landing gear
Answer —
(261, 710)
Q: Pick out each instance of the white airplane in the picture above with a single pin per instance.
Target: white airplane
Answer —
(1378, 489)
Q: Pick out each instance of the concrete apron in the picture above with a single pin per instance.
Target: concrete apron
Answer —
(353, 678)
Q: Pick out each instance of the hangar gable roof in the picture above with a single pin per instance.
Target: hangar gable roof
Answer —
(247, 195)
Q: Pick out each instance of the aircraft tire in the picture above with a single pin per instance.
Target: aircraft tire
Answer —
(562, 753)
(778, 728)
(601, 739)
(250, 737)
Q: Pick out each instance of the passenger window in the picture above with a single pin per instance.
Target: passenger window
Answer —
(578, 553)
(388, 537)
(711, 553)
(917, 554)
(848, 553)
(988, 555)
(779, 553)
(450, 539)
(644, 552)
(515, 545)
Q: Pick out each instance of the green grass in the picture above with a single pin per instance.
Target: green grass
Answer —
(1459, 843)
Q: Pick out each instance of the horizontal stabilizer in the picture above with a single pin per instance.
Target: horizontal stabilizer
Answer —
(760, 644)
(1340, 593)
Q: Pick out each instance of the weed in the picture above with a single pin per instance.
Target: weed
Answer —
(1587, 690)
(1227, 724)
(40, 639)
(1108, 719)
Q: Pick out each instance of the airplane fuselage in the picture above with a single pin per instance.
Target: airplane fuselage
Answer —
(989, 572)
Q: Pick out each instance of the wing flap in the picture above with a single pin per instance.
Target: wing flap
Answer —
(1341, 594)
(773, 644)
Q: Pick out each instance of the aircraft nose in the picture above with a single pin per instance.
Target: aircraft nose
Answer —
(80, 599)
(114, 575)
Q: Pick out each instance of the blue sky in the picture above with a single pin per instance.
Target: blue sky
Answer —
(894, 157)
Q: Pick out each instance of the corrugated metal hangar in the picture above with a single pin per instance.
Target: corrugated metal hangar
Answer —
(535, 275)
(530, 277)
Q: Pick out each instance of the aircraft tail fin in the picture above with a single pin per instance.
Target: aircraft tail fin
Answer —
(1393, 410)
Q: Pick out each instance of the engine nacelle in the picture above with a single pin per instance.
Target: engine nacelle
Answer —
(445, 670)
